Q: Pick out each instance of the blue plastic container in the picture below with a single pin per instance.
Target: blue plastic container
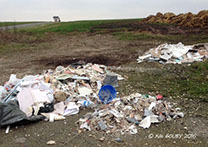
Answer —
(107, 93)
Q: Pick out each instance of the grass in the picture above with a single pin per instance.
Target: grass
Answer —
(178, 81)
(195, 81)
(189, 81)
(76, 26)
(122, 32)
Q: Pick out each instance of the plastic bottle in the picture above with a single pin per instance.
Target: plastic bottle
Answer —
(85, 103)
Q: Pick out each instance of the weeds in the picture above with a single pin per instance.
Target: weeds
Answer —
(6, 36)
(193, 82)
(12, 40)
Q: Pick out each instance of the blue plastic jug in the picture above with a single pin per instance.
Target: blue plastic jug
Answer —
(107, 93)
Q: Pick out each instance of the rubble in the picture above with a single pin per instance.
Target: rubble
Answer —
(199, 20)
(176, 53)
(124, 114)
(54, 95)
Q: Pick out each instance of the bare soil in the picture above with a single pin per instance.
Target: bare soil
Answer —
(165, 29)
(120, 55)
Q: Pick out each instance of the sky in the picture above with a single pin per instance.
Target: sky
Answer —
(70, 10)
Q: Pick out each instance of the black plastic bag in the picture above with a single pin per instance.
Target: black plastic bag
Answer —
(10, 114)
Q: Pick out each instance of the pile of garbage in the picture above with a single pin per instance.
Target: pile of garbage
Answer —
(176, 53)
(54, 95)
(189, 20)
(124, 114)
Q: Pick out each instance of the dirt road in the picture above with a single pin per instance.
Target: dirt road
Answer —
(22, 25)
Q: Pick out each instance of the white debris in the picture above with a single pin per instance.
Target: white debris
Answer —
(175, 53)
(133, 129)
(146, 122)
(7, 129)
(71, 109)
(51, 142)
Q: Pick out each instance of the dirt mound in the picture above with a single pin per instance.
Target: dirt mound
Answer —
(199, 20)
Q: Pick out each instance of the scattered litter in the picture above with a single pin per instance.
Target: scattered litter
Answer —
(111, 79)
(132, 129)
(59, 108)
(84, 91)
(102, 125)
(30, 100)
(85, 125)
(3, 92)
(102, 139)
(146, 122)
(176, 53)
(118, 140)
(159, 97)
(60, 96)
(7, 129)
(179, 114)
(51, 142)
(125, 114)
(71, 109)
(97, 68)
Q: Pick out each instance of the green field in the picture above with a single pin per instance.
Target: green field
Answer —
(78, 26)
(123, 32)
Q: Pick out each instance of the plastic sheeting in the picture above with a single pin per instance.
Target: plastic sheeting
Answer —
(10, 114)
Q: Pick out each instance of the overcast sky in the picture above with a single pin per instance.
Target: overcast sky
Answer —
(44, 10)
